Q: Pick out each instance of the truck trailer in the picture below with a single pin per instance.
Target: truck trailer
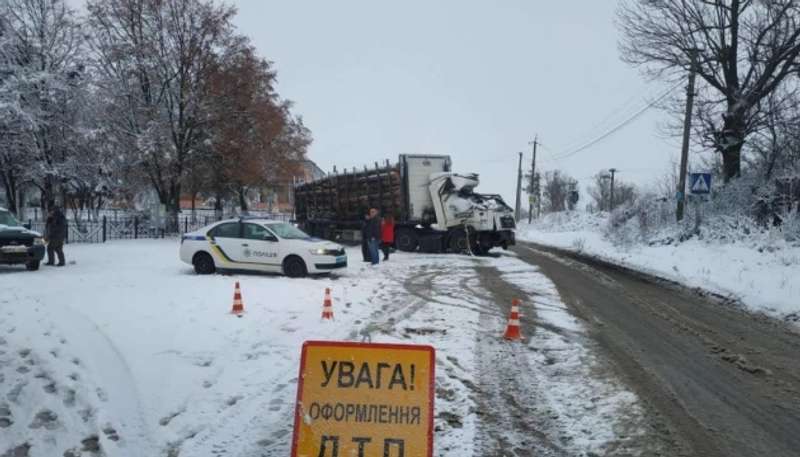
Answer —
(435, 209)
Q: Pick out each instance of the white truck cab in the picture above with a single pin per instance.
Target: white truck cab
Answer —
(257, 244)
(458, 207)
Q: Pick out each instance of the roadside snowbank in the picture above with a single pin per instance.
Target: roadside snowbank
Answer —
(760, 269)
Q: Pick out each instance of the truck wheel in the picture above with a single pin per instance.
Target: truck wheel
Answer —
(203, 264)
(483, 244)
(406, 240)
(457, 242)
(33, 265)
(294, 267)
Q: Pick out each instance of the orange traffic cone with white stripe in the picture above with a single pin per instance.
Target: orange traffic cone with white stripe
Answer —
(512, 330)
(238, 306)
(327, 305)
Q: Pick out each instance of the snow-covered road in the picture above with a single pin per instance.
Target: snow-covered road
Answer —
(128, 353)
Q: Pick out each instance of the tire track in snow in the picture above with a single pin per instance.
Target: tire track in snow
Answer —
(122, 382)
(592, 409)
(506, 423)
(514, 419)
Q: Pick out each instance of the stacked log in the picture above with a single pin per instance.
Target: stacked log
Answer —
(346, 196)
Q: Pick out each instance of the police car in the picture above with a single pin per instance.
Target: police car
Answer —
(259, 245)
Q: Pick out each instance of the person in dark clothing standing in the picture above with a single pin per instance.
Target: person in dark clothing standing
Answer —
(365, 239)
(387, 235)
(55, 233)
(374, 235)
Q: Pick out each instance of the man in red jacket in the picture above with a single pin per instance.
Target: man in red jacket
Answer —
(387, 235)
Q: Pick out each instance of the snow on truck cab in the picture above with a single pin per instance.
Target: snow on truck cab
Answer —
(258, 244)
(459, 209)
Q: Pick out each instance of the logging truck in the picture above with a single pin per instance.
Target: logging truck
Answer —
(435, 209)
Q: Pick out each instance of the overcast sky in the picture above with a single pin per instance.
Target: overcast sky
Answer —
(473, 79)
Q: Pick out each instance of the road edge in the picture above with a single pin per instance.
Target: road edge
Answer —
(731, 302)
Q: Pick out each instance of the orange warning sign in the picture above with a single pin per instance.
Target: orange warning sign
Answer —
(364, 400)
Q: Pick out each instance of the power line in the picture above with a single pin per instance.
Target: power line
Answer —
(619, 126)
(611, 118)
(545, 147)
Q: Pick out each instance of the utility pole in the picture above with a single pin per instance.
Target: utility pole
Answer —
(518, 207)
(611, 204)
(687, 125)
(538, 194)
(532, 188)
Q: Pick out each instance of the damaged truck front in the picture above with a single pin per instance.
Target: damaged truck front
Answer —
(483, 219)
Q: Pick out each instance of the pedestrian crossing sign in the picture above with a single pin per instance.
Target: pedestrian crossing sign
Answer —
(700, 183)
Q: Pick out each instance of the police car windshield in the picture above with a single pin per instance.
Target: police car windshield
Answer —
(6, 218)
(287, 231)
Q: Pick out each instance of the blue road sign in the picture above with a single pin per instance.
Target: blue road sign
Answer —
(700, 183)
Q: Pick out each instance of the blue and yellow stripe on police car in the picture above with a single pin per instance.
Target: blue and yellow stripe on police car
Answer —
(217, 252)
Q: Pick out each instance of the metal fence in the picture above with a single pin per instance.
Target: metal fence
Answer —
(36, 214)
(127, 227)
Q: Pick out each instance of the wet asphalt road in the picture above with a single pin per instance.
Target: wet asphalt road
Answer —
(716, 381)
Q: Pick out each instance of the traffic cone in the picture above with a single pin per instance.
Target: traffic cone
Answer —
(512, 330)
(238, 306)
(327, 305)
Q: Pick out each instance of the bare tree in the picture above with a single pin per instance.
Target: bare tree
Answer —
(667, 183)
(600, 191)
(96, 172)
(160, 93)
(155, 59)
(254, 138)
(43, 66)
(776, 147)
(556, 191)
(624, 194)
(743, 50)
(13, 120)
(247, 117)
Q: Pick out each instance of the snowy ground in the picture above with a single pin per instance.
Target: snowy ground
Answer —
(128, 353)
(567, 371)
(761, 272)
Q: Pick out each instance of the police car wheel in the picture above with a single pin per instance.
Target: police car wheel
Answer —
(294, 267)
(203, 264)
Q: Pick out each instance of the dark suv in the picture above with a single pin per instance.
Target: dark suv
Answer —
(18, 244)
